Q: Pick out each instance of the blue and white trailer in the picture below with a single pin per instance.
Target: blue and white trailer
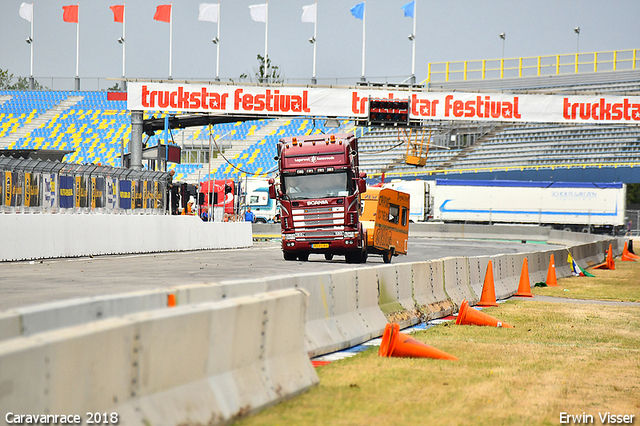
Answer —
(575, 206)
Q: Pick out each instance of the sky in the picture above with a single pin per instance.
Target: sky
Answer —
(451, 30)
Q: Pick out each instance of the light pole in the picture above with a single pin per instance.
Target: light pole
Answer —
(312, 40)
(503, 36)
(215, 41)
(577, 31)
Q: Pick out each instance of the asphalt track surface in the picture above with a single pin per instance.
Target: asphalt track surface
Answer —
(33, 282)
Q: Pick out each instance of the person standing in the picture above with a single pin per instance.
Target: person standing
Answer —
(170, 201)
(249, 216)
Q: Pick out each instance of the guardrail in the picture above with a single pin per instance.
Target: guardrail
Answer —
(573, 63)
(65, 235)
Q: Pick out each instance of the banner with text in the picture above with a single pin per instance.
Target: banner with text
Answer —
(352, 102)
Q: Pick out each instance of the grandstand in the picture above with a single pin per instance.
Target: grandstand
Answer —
(474, 151)
(96, 128)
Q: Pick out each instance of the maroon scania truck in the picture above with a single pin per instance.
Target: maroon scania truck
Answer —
(319, 194)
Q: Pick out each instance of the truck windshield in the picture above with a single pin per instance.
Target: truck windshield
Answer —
(300, 187)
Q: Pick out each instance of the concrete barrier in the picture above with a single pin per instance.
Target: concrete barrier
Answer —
(513, 268)
(39, 318)
(563, 269)
(428, 289)
(477, 273)
(395, 293)
(491, 232)
(456, 280)
(505, 281)
(537, 267)
(67, 235)
(156, 373)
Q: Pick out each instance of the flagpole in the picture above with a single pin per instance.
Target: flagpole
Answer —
(364, 37)
(124, 40)
(413, 57)
(266, 43)
(78, 49)
(170, 38)
(218, 47)
(315, 32)
(31, 81)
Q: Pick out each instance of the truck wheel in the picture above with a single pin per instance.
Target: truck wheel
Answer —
(386, 256)
(303, 257)
(289, 256)
(328, 256)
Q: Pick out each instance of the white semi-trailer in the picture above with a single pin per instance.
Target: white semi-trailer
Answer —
(576, 206)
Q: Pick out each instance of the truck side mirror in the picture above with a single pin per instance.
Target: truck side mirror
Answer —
(362, 186)
(272, 189)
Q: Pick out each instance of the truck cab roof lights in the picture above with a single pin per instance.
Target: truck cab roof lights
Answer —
(333, 138)
(294, 142)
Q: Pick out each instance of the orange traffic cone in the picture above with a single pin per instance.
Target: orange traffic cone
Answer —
(551, 274)
(609, 263)
(400, 345)
(488, 297)
(627, 256)
(524, 287)
(470, 316)
(171, 300)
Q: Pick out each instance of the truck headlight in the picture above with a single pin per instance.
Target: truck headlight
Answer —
(289, 237)
(350, 234)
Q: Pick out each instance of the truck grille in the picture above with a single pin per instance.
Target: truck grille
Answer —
(322, 223)
(320, 234)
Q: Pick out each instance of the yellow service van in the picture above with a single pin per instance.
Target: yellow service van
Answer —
(385, 216)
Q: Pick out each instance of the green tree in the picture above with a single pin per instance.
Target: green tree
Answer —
(21, 83)
(5, 79)
(265, 73)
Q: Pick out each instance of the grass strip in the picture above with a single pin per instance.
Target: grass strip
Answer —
(560, 358)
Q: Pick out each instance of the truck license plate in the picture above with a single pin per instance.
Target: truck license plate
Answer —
(320, 245)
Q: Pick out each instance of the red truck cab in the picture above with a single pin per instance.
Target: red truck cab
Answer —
(319, 194)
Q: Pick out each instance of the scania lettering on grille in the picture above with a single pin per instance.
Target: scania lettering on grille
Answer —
(317, 202)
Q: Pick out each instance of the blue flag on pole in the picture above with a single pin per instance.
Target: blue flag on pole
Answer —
(409, 8)
(358, 11)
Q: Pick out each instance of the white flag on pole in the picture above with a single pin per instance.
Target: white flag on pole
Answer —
(309, 13)
(258, 12)
(26, 11)
(209, 12)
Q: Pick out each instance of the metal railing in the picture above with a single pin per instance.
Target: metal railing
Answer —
(36, 186)
(574, 63)
(434, 172)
